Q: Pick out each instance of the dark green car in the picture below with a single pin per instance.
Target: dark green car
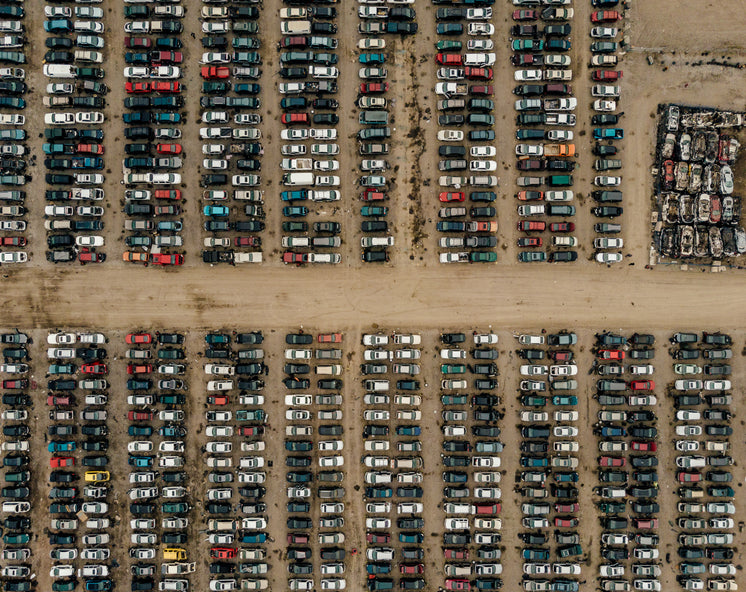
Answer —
(482, 257)
(530, 256)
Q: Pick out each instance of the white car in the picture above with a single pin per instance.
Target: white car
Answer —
(482, 152)
(298, 400)
(452, 354)
(604, 32)
(211, 57)
(136, 72)
(89, 241)
(609, 257)
(527, 75)
(59, 119)
(61, 338)
(84, 117)
(13, 257)
(450, 136)
(607, 181)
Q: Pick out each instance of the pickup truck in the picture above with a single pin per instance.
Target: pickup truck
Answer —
(560, 104)
(560, 119)
(559, 150)
(296, 164)
(461, 257)
(450, 89)
(177, 568)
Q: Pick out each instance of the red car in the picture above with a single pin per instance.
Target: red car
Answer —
(139, 368)
(611, 461)
(668, 172)
(478, 73)
(223, 553)
(167, 194)
(410, 569)
(528, 226)
(18, 383)
(449, 59)
(372, 195)
(606, 75)
(166, 57)
(452, 196)
(137, 42)
(644, 446)
(250, 430)
(563, 355)
(605, 16)
(211, 72)
(218, 400)
(462, 554)
(294, 118)
(13, 241)
(525, 15)
(567, 508)
(247, 241)
(642, 385)
(480, 89)
(166, 211)
(566, 522)
(54, 401)
(168, 148)
(330, 338)
(90, 148)
(137, 87)
(373, 537)
(562, 227)
(684, 477)
(484, 227)
(94, 369)
(88, 256)
(530, 241)
(133, 338)
(140, 415)
(61, 461)
(530, 195)
(488, 508)
(611, 354)
(297, 258)
(452, 584)
(167, 259)
(641, 523)
(370, 88)
(163, 86)
(298, 538)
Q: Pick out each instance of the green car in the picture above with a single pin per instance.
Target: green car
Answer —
(527, 45)
(64, 586)
(533, 401)
(564, 400)
(447, 45)
(16, 539)
(170, 354)
(530, 256)
(453, 400)
(452, 369)
(174, 508)
(483, 257)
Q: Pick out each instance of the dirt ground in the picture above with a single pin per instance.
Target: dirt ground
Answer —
(353, 450)
(416, 294)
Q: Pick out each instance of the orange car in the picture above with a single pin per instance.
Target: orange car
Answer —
(330, 338)
(135, 256)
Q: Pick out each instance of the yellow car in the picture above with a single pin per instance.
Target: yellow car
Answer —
(174, 553)
(97, 476)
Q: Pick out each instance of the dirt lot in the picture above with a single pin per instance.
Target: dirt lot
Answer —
(116, 299)
(274, 344)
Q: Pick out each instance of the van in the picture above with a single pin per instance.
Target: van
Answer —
(607, 228)
(373, 118)
(691, 492)
(376, 385)
(479, 59)
(60, 71)
(559, 180)
(611, 385)
(608, 196)
(329, 370)
(174, 554)
(295, 27)
(296, 179)
(221, 525)
(483, 181)
(377, 241)
(560, 210)
(607, 164)
(717, 446)
(447, 105)
(256, 195)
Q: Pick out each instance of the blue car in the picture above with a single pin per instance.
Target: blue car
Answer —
(253, 538)
(167, 118)
(609, 133)
(372, 58)
(613, 431)
(169, 226)
(564, 400)
(58, 26)
(221, 211)
(61, 446)
(536, 554)
(297, 195)
(294, 211)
